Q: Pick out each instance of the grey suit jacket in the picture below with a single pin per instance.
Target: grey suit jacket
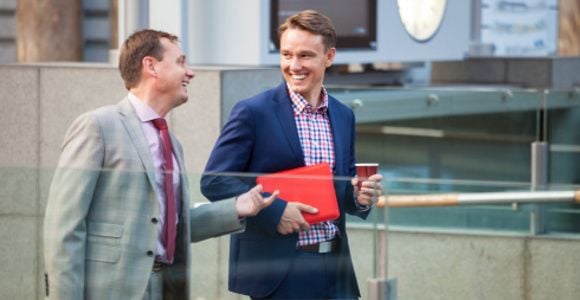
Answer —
(99, 227)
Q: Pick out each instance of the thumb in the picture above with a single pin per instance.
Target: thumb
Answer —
(307, 208)
(257, 188)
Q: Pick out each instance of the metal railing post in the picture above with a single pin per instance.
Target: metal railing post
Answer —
(539, 181)
(380, 287)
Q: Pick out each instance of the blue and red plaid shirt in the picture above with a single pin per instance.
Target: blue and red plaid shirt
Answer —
(317, 144)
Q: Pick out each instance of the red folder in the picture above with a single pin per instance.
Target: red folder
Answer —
(312, 185)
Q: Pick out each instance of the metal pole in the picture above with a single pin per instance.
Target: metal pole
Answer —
(383, 271)
(539, 169)
(380, 287)
(479, 198)
(539, 181)
(132, 16)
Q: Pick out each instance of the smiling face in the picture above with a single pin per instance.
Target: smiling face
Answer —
(173, 74)
(303, 61)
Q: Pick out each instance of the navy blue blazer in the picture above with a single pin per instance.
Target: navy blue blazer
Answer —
(261, 137)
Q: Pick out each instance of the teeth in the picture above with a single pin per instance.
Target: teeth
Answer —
(298, 77)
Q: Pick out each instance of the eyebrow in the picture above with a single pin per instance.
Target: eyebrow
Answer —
(297, 52)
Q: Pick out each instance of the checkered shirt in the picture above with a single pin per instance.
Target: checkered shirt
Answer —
(317, 144)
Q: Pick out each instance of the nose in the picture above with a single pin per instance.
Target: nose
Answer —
(189, 73)
(294, 64)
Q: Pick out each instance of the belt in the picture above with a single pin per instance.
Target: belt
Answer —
(322, 247)
(158, 266)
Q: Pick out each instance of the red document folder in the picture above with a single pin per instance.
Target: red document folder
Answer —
(312, 185)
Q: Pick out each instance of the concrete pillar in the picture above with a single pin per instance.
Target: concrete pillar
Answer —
(114, 20)
(569, 31)
(49, 30)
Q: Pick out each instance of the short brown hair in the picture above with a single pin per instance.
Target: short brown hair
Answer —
(313, 22)
(142, 43)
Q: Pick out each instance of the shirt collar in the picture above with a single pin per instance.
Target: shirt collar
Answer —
(299, 103)
(144, 112)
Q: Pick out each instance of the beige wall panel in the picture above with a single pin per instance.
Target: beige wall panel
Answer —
(19, 257)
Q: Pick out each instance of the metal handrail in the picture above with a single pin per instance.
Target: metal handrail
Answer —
(427, 200)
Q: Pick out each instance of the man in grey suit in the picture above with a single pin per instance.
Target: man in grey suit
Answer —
(105, 229)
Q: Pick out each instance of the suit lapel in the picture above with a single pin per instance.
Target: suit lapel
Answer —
(133, 126)
(283, 110)
(337, 132)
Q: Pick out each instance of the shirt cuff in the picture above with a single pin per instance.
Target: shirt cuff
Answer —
(361, 208)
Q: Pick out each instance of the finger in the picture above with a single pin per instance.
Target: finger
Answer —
(283, 231)
(307, 208)
(267, 201)
(372, 189)
(370, 184)
(289, 229)
(373, 180)
(364, 200)
(377, 190)
(256, 189)
(295, 227)
(371, 197)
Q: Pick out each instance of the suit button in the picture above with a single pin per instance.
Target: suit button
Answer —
(150, 253)
(154, 220)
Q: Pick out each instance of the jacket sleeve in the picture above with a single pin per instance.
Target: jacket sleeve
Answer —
(208, 220)
(351, 206)
(69, 199)
(226, 173)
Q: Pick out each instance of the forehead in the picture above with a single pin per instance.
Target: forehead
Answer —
(171, 48)
(292, 38)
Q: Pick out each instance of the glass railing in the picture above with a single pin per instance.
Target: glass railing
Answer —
(471, 140)
(428, 142)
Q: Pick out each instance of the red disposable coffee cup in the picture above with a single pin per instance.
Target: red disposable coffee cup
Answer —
(364, 171)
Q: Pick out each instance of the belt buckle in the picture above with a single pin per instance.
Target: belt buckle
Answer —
(157, 266)
(325, 247)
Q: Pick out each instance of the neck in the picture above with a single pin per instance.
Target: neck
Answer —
(314, 99)
(155, 101)
(314, 102)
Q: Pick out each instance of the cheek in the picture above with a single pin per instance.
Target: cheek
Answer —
(284, 65)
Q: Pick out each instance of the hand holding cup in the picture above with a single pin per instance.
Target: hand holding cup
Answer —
(368, 186)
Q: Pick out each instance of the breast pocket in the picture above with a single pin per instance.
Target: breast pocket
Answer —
(104, 242)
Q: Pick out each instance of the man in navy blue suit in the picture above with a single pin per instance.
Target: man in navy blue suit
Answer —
(281, 256)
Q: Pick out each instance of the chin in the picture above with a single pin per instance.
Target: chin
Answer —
(181, 101)
(297, 88)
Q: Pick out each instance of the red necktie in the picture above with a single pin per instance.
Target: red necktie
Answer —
(169, 231)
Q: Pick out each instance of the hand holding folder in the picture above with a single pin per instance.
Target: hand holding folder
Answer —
(312, 185)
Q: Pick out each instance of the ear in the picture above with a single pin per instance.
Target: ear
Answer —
(148, 66)
(329, 57)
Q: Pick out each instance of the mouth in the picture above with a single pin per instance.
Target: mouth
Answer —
(298, 77)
